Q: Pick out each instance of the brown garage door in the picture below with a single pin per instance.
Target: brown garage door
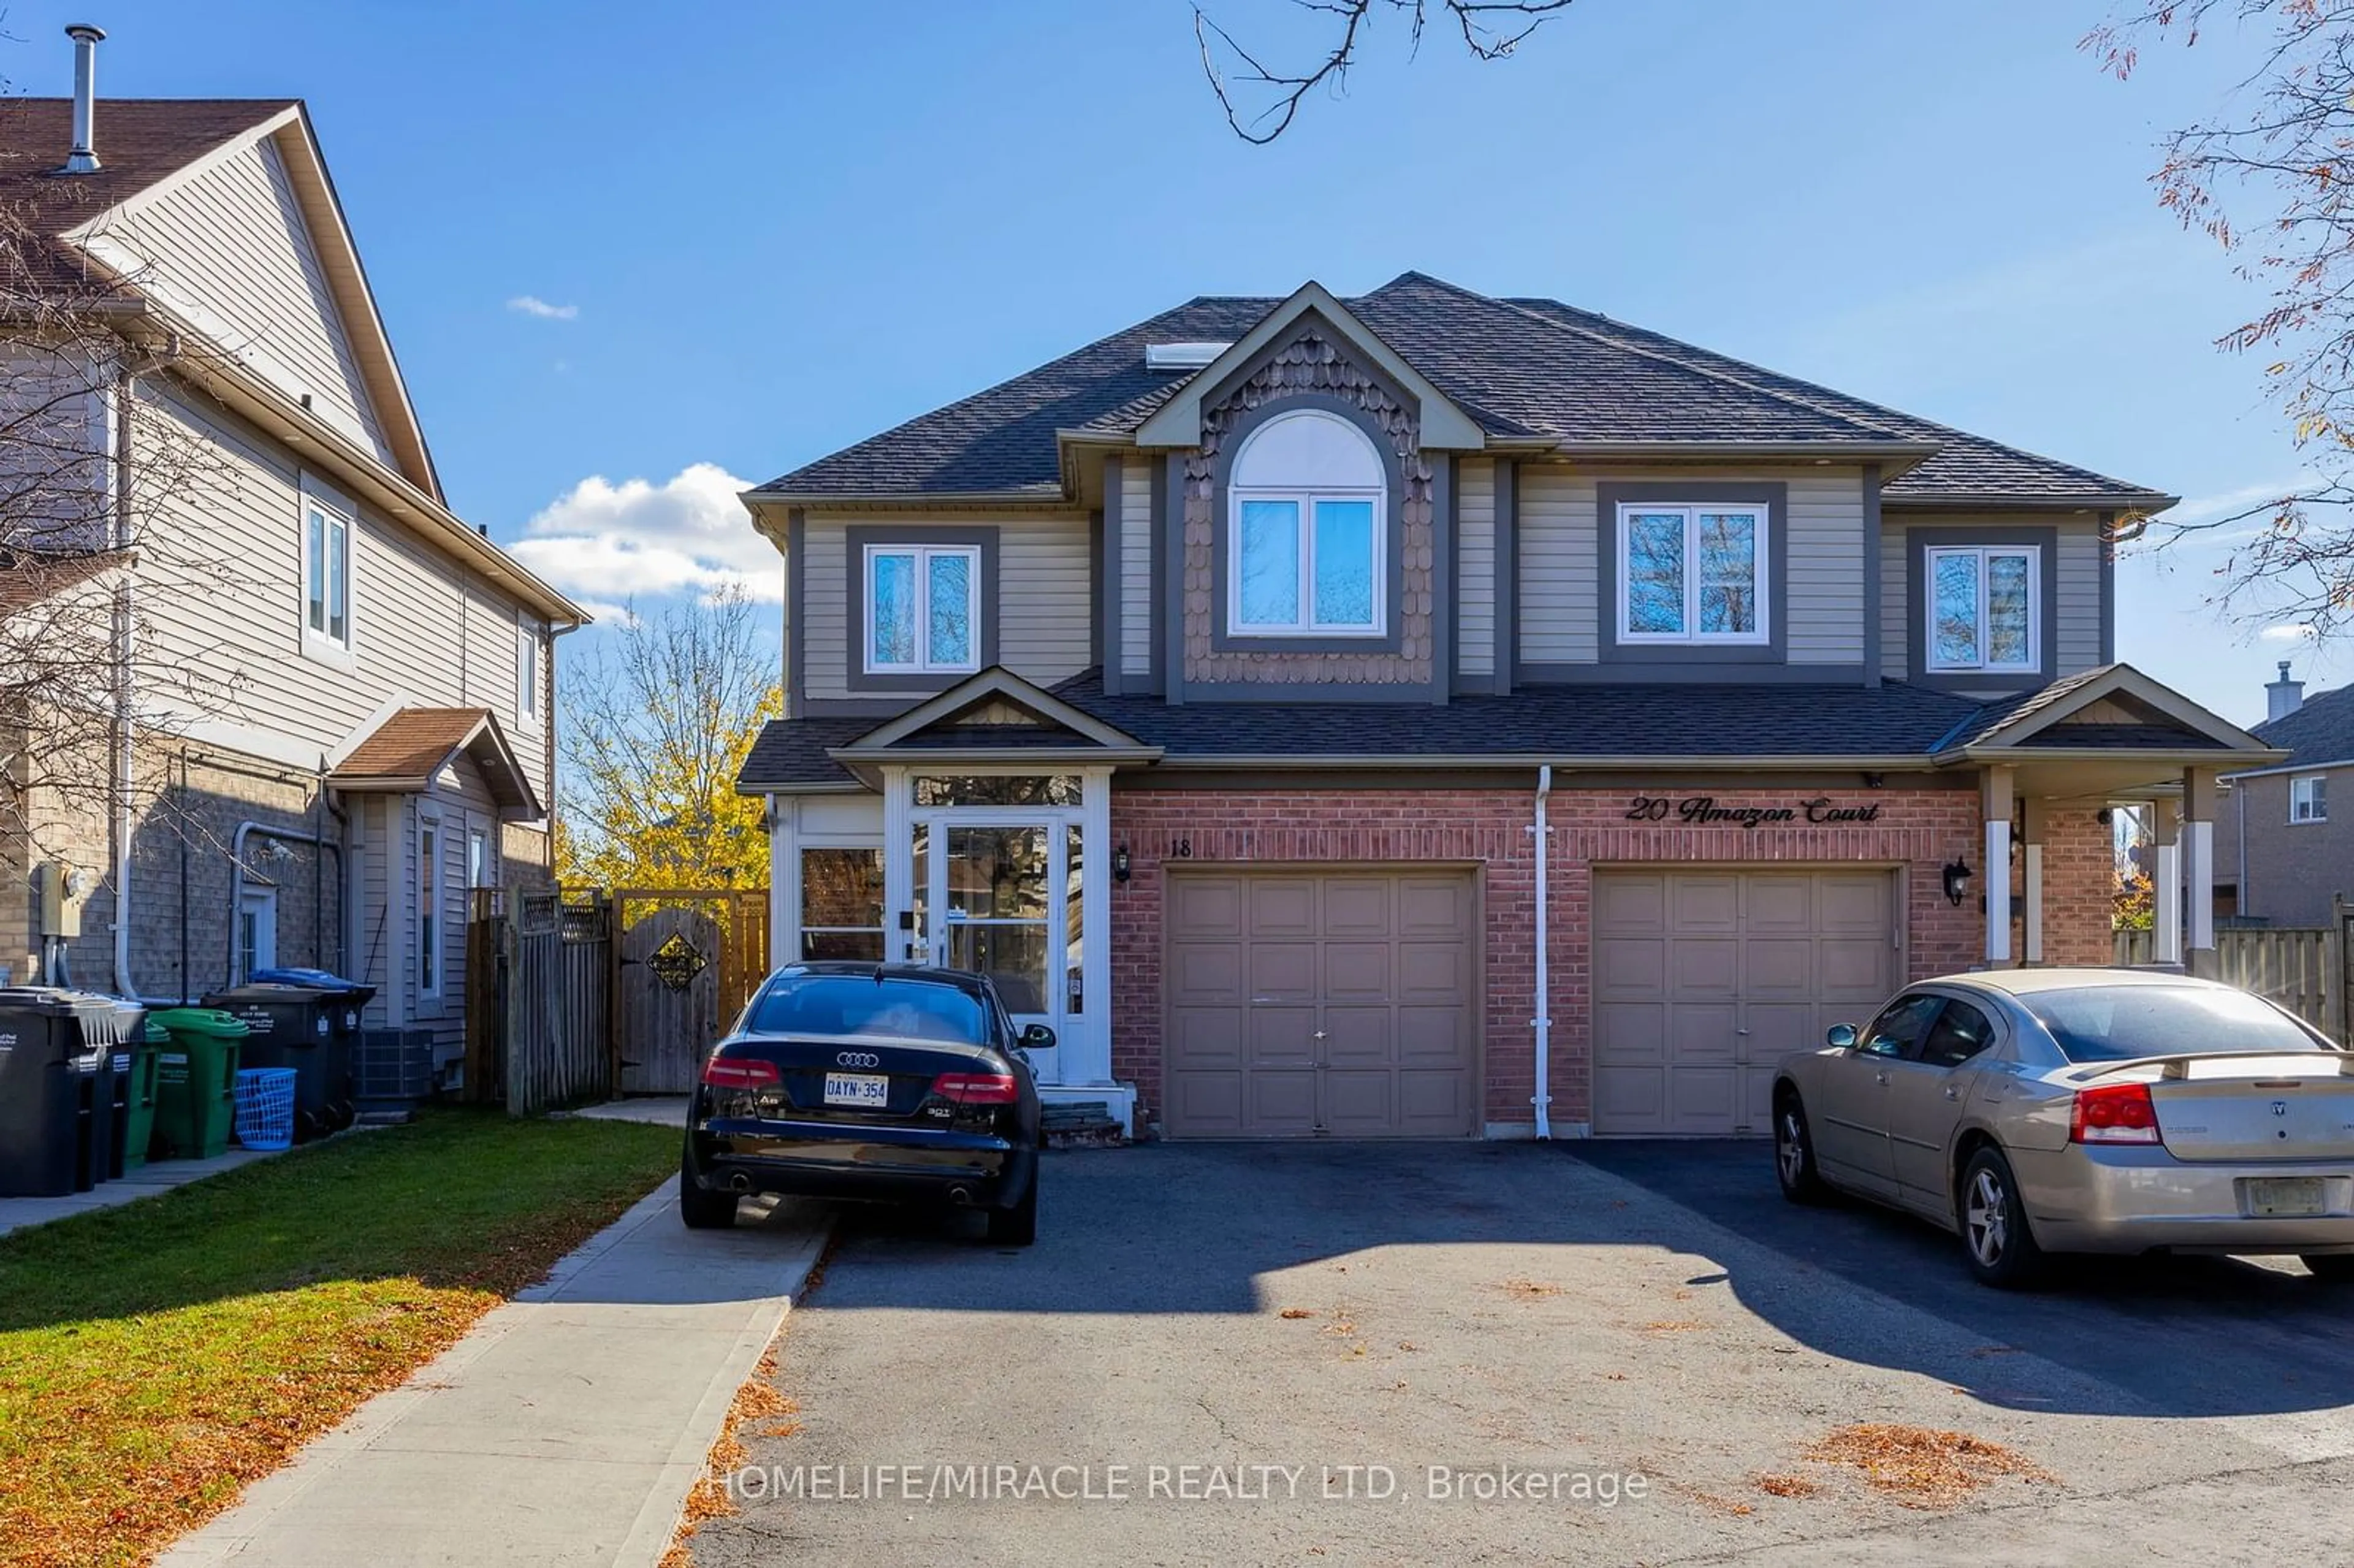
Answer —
(1704, 980)
(1342, 1003)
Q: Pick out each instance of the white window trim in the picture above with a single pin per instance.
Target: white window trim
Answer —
(923, 664)
(335, 513)
(1761, 584)
(1306, 624)
(428, 901)
(2309, 816)
(1981, 666)
(261, 903)
(528, 667)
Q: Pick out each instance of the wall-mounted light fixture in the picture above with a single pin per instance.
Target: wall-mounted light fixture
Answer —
(1956, 878)
(1875, 781)
(1120, 864)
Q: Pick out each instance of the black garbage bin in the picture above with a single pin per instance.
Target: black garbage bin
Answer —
(57, 1088)
(295, 1026)
(349, 999)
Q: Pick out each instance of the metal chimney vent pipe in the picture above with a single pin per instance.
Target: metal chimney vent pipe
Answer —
(83, 159)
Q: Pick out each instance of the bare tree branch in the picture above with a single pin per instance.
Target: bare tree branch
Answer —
(2283, 155)
(1491, 30)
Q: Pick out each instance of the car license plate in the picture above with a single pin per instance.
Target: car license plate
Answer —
(2284, 1197)
(871, 1090)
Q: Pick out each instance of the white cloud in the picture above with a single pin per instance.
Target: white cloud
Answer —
(2288, 633)
(611, 543)
(2200, 509)
(532, 305)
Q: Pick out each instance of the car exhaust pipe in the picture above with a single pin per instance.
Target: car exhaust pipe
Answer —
(960, 1196)
(739, 1183)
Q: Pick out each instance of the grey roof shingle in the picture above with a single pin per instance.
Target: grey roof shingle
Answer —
(1566, 721)
(2320, 731)
(1521, 367)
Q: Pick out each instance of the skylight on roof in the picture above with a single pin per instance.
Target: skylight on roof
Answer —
(1181, 355)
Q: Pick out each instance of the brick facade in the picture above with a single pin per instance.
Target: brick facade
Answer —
(1917, 830)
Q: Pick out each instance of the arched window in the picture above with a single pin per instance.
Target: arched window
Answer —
(1307, 551)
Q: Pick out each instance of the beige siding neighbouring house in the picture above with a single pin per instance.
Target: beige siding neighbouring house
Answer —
(228, 248)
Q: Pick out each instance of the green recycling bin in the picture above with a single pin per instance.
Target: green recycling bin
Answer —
(145, 1051)
(196, 1081)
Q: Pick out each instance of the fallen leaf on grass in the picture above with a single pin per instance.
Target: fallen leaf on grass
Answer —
(1923, 1468)
(1788, 1486)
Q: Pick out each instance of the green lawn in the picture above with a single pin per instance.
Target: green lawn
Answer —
(156, 1358)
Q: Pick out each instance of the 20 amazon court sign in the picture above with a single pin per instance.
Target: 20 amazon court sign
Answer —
(1703, 810)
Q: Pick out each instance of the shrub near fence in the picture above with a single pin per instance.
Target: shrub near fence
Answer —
(540, 1036)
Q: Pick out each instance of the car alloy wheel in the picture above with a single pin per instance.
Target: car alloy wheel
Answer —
(1986, 1218)
(1790, 1145)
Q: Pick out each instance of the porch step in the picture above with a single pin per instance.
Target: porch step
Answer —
(1080, 1124)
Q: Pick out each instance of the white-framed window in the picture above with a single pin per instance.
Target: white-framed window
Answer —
(478, 858)
(257, 931)
(841, 903)
(2308, 798)
(429, 908)
(1693, 574)
(1983, 602)
(1307, 545)
(327, 533)
(923, 609)
(526, 669)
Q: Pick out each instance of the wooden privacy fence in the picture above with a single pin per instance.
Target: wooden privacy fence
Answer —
(539, 1035)
(2303, 969)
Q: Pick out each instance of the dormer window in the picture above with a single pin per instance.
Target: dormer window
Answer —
(1307, 551)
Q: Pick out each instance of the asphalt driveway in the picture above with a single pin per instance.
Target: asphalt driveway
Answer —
(1362, 1354)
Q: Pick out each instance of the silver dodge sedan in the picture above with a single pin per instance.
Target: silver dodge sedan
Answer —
(2034, 1111)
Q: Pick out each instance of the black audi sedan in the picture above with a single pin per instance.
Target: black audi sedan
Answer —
(884, 1083)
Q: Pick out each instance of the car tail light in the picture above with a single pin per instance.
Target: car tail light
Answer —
(977, 1088)
(2113, 1113)
(741, 1073)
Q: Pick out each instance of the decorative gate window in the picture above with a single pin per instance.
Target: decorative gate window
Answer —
(676, 962)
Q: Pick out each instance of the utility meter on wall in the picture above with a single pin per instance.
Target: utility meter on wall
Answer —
(64, 890)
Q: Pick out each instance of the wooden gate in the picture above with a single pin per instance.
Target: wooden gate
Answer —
(685, 962)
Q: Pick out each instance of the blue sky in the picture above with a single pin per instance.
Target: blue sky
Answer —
(769, 230)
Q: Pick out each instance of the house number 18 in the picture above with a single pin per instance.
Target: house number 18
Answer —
(1181, 849)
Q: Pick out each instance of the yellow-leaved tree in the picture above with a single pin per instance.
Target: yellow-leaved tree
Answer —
(658, 719)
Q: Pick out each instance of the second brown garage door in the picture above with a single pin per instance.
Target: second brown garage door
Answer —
(1342, 1003)
(1704, 979)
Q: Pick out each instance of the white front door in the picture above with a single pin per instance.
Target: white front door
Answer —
(1001, 886)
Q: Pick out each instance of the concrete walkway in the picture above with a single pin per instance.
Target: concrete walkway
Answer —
(662, 1110)
(156, 1176)
(564, 1429)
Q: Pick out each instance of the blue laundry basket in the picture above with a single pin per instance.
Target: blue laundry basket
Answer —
(265, 1107)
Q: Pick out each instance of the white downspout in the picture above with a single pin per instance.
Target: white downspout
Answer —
(1542, 1099)
(125, 621)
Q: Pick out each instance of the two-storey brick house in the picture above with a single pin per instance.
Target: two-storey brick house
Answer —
(1429, 714)
(379, 735)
